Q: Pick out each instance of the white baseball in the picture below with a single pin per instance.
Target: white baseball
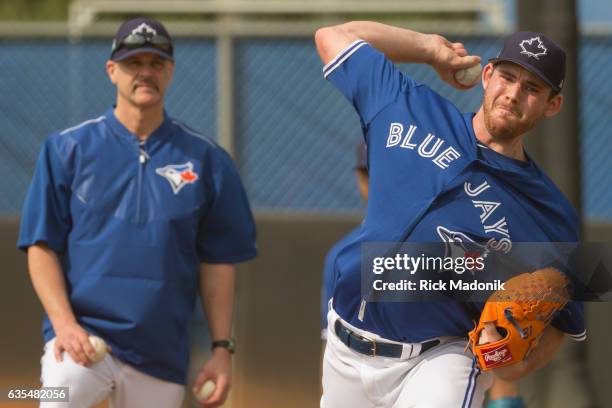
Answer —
(468, 76)
(99, 347)
(205, 391)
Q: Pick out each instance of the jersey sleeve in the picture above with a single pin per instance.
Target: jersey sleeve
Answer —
(366, 78)
(227, 232)
(571, 321)
(45, 216)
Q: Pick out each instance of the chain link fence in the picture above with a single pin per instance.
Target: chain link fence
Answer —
(595, 60)
(295, 135)
(52, 85)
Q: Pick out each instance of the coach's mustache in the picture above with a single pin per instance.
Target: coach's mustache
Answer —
(145, 81)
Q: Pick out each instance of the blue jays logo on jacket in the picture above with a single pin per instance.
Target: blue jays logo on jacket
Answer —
(178, 175)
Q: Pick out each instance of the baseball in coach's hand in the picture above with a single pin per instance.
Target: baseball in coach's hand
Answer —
(205, 391)
(99, 347)
(468, 76)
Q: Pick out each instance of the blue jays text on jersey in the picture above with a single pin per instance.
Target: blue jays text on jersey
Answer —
(131, 223)
(432, 181)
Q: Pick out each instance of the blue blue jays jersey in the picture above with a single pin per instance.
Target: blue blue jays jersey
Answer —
(432, 181)
(131, 223)
(330, 275)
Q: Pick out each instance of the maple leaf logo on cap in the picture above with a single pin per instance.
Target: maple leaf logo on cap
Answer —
(145, 30)
(533, 47)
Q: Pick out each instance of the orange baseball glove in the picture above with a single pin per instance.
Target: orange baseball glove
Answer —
(521, 311)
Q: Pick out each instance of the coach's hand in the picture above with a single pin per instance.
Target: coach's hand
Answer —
(218, 369)
(73, 339)
(447, 58)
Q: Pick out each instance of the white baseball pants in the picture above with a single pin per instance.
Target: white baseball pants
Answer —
(88, 386)
(443, 377)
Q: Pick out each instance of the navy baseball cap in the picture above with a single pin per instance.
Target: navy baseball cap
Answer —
(537, 54)
(142, 35)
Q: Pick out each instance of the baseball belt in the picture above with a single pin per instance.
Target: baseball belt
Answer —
(373, 348)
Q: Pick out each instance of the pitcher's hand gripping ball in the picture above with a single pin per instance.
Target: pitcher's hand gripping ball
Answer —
(469, 76)
(520, 313)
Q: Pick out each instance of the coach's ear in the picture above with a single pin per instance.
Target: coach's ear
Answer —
(111, 67)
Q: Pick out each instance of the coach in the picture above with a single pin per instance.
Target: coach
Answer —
(128, 215)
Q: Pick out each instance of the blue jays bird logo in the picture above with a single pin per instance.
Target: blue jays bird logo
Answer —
(178, 175)
(533, 47)
(459, 245)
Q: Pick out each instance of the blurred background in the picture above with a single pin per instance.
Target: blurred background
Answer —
(248, 75)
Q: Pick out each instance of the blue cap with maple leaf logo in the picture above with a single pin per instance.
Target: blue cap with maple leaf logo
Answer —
(537, 54)
(140, 35)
